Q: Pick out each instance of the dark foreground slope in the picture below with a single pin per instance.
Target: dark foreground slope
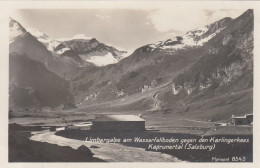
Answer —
(21, 149)
(32, 85)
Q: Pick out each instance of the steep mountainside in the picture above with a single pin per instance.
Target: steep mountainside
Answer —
(33, 72)
(228, 64)
(16, 29)
(27, 44)
(32, 85)
(49, 43)
(221, 81)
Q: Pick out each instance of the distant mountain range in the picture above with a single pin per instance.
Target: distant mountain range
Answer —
(202, 64)
(81, 48)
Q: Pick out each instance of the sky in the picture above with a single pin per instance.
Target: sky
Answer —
(124, 28)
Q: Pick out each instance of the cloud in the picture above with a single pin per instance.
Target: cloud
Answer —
(127, 28)
(183, 20)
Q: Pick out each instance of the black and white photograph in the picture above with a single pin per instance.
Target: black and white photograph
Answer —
(131, 84)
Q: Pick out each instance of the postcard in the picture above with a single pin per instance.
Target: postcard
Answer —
(120, 81)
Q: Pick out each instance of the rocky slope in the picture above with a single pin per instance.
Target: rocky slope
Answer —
(147, 67)
(220, 83)
(91, 50)
(227, 64)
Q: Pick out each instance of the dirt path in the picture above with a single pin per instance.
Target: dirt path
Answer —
(107, 151)
(199, 121)
(157, 102)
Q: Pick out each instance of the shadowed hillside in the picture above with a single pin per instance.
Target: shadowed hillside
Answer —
(32, 85)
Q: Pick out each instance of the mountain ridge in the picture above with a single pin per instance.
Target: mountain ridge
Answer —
(201, 64)
(80, 48)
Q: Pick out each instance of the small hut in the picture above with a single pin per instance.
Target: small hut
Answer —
(118, 123)
(242, 120)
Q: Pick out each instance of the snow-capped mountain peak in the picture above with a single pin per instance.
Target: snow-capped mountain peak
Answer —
(81, 47)
(36, 33)
(102, 60)
(16, 29)
(91, 50)
(50, 43)
(76, 37)
(124, 52)
(194, 38)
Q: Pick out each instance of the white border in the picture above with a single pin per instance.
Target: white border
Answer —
(6, 7)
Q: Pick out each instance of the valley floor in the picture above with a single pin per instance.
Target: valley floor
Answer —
(39, 140)
(194, 119)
